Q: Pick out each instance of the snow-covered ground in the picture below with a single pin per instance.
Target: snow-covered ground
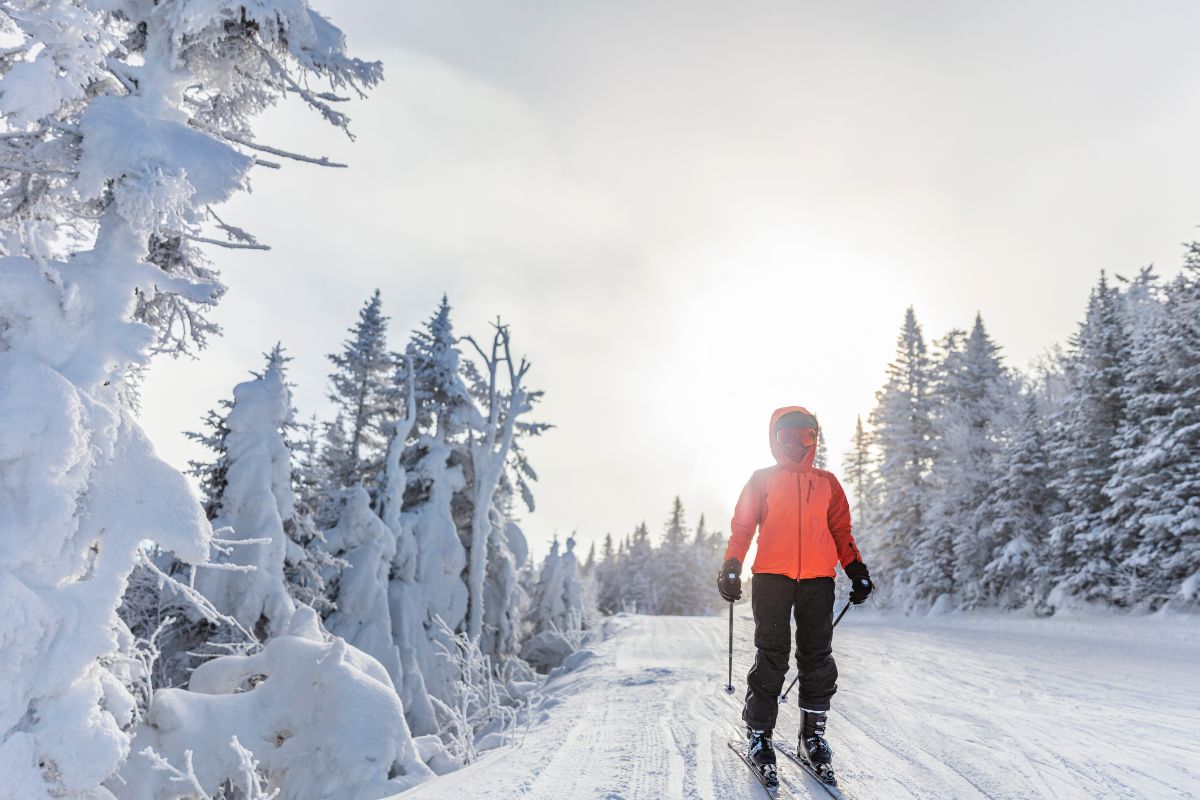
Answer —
(944, 707)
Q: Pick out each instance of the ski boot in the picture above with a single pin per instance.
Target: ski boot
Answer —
(814, 747)
(761, 753)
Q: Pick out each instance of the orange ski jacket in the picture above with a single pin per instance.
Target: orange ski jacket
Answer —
(801, 515)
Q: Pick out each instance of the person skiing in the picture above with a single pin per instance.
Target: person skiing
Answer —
(803, 522)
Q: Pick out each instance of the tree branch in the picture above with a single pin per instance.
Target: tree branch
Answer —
(229, 245)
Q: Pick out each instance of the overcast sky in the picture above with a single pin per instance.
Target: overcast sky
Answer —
(691, 213)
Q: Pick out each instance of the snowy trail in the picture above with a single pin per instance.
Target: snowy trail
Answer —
(950, 707)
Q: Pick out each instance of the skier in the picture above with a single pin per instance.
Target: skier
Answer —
(803, 523)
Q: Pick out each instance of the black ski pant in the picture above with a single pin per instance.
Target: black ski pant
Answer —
(775, 598)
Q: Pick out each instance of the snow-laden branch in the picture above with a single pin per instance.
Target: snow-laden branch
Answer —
(228, 245)
(321, 161)
(198, 601)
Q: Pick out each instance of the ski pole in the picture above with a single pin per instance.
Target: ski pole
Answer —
(839, 616)
(783, 697)
(729, 685)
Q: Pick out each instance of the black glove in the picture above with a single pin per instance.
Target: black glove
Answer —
(860, 581)
(729, 580)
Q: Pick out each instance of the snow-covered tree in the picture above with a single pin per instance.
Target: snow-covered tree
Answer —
(859, 473)
(673, 573)
(971, 393)
(253, 504)
(636, 574)
(126, 122)
(443, 399)
(606, 587)
(902, 424)
(494, 450)
(821, 459)
(1019, 507)
(1154, 516)
(363, 394)
(1087, 442)
(557, 610)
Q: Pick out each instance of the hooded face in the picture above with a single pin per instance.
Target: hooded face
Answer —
(794, 436)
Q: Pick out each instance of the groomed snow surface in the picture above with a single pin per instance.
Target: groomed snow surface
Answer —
(936, 707)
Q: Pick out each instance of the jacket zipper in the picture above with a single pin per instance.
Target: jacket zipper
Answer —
(799, 525)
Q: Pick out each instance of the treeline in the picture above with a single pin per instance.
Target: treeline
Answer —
(979, 485)
(674, 573)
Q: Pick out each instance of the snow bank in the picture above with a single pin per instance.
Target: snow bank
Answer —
(321, 718)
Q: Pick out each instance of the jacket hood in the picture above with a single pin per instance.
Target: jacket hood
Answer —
(780, 458)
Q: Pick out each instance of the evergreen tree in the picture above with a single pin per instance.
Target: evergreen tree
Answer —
(589, 565)
(859, 473)
(1020, 506)
(1154, 516)
(673, 578)
(903, 433)
(363, 393)
(640, 590)
(606, 574)
(971, 395)
(253, 502)
(820, 459)
(1096, 407)
(443, 399)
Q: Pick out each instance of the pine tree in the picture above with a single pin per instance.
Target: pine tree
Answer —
(1019, 514)
(704, 559)
(1154, 516)
(971, 393)
(443, 399)
(859, 473)
(254, 502)
(639, 589)
(606, 575)
(1096, 408)
(363, 394)
(673, 578)
(821, 460)
(589, 565)
(903, 433)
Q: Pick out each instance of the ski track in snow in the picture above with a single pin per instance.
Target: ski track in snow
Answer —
(942, 707)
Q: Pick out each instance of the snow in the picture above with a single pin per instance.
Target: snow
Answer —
(255, 501)
(962, 706)
(320, 716)
(121, 137)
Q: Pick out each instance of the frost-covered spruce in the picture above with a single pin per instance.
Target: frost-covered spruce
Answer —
(1095, 408)
(972, 394)
(557, 611)
(901, 422)
(360, 591)
(674, 585)
(860, 474)
(1154, 520)
(127, 122)
(253, 504)
(363, 393)
(1020, 507)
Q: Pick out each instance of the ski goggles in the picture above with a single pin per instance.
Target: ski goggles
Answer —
(797, 437)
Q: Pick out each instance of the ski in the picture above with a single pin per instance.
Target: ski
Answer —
(775, 790)
(802, 762)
